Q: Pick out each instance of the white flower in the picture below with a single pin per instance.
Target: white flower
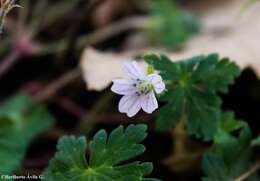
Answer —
(138, 90)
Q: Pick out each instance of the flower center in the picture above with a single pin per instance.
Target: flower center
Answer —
(143, 87)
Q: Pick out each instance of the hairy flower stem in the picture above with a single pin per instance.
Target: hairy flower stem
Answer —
(179, 150)
(179, 145)
(183, 158)
(180, 135)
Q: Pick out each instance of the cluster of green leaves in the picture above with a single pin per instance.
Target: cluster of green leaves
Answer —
(231, 156)
(107, 160)
(192, 96)
(20, 122)
(171, 26)
(192, 92)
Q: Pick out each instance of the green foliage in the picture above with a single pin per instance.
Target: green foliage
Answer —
(192, 87)
(171, 26)
(107, 157)
(230, 158)
(20, 122)
(227, 124)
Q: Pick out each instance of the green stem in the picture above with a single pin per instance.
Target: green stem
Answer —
(180, 135)
(185, 152)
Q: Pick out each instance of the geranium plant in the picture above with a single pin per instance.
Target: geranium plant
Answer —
(155, 118)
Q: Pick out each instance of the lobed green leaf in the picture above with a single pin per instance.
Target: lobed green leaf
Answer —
(107, 157)
(192, 87)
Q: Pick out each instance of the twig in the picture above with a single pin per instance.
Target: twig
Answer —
(57, 84)
(70, 106)
(249, 172)
(8, 62)
(138, 22)
(23, 46)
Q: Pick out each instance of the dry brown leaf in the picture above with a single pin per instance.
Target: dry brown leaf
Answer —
(229, 32)
(100, 68)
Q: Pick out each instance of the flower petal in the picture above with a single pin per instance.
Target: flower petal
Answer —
(157, 82)
(149, 103)
(129, 104)
(123, 87)
(133, 70)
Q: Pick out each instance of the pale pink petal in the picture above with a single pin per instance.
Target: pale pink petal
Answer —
(157, 82)
(149, 103)
(129, 104)
(123, 87)
(133, 70)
